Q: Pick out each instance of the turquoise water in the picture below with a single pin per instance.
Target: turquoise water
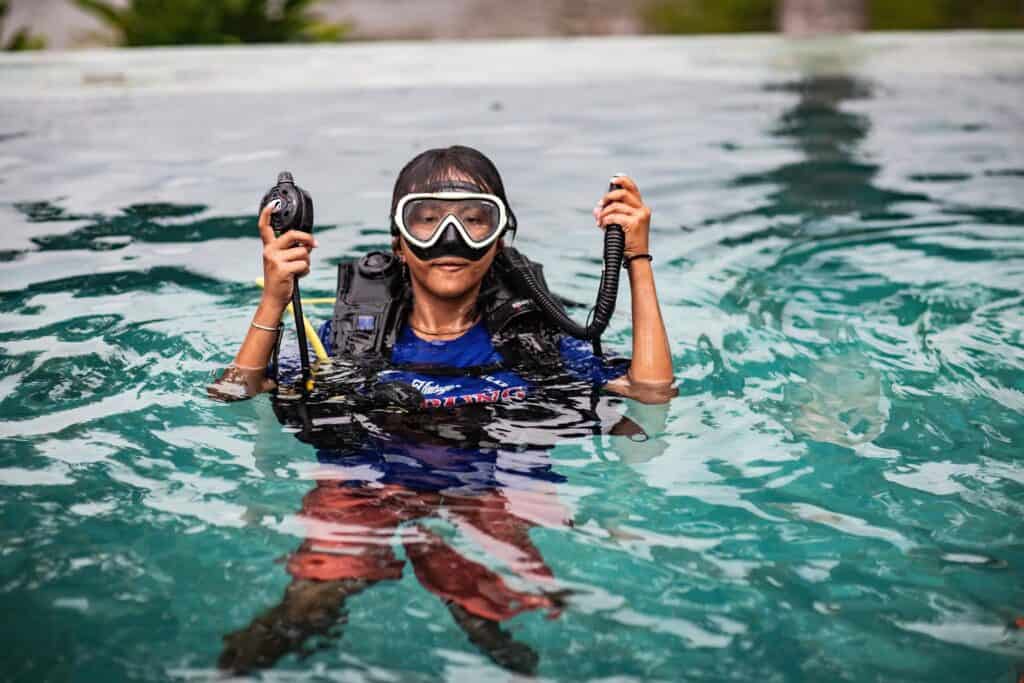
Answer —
(836, 493)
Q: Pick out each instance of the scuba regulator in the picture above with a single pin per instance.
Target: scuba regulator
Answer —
(517, 267)
(294, 213)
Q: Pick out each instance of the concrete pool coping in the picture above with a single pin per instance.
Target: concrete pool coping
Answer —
(526, 62)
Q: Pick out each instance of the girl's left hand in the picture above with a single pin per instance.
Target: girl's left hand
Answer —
(625, 207)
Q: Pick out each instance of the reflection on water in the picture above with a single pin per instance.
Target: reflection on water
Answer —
(350, 530)
(836, 493)
(394, 469)
(832, 178)
(839, 399)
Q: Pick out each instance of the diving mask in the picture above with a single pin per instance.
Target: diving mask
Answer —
(457, 221)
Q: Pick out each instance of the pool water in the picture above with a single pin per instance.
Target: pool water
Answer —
(836, 494)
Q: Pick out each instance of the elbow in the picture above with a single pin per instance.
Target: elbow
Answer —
(657, 388)
(237, 384)
(225, 392)
(649, 391)
(655, 394)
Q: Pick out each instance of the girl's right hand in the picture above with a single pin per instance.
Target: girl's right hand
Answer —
(284, 258)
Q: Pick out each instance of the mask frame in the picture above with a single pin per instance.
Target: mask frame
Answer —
(451, 223)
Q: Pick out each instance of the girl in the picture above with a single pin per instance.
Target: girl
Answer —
(449, 214)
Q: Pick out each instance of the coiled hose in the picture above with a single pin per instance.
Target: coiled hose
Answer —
(607, 293)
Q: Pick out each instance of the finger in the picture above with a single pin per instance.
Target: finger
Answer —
(621, 219)
(617, 207)
(299, 268)
(294, 254)
(626, 196)
(625, 182)
(266, 231)
(294, 238)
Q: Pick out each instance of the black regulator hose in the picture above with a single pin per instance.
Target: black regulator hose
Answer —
(607, 293)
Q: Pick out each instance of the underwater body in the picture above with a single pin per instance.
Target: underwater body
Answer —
(837, 492)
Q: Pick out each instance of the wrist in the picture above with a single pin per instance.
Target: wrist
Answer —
(639, 267)
(270, 311)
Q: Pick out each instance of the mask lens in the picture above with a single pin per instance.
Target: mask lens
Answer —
(423, 216)
(479, 217)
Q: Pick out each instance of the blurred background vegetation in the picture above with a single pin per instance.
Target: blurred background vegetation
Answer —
(709, 16)
(728, 16)
(20, 38)
(212, 22)
(945, 14)
(34, 24)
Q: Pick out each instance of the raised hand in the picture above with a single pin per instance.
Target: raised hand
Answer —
(625, 207)
(284, 258)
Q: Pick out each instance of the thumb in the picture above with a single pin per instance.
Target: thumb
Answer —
(266, 231)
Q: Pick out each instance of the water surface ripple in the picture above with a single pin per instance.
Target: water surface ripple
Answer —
(837, 493)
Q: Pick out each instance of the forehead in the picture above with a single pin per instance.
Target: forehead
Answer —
(450, 186)
(451, 180)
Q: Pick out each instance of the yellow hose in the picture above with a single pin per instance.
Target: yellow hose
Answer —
(311, 335)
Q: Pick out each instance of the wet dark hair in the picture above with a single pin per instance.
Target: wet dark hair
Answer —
(429, 170)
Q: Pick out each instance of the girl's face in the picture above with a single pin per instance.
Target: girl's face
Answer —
(448, 277)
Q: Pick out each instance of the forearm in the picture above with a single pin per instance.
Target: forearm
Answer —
(652, 359)
(258, 345)
(285, 259)
(246, 376)
(650, 374)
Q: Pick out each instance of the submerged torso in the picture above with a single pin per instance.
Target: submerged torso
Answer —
(487, 427)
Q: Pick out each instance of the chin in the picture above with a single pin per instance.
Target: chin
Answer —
(449, 286)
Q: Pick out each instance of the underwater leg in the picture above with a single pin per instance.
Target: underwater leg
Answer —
(308, 609)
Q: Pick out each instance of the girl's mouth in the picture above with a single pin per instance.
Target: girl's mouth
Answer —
(450, 266)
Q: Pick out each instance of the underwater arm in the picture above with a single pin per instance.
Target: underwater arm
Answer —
(643, 426)
(649, 379)
(284, 258)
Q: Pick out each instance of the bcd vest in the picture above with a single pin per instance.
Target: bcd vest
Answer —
(373, 300)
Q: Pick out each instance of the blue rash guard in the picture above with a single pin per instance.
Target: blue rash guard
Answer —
(450, 469)
(474, 349)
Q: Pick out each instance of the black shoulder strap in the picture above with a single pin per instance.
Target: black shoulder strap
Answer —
(370, 305)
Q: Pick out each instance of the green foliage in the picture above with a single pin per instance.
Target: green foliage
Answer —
(945, 14)
(709, 16)
(22, 39)
(213, 22)
(728, 16)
